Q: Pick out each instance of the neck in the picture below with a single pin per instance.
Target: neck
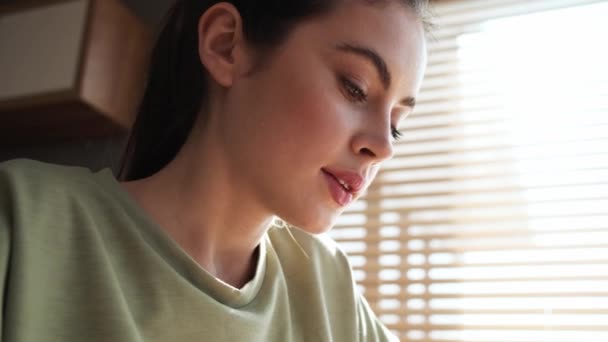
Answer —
(206, 212)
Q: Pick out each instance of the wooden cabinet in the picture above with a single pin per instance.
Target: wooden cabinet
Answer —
(69, 69)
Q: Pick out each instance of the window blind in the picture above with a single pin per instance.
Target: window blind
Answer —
(491, 221)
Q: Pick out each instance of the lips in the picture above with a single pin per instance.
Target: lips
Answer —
(343, 185)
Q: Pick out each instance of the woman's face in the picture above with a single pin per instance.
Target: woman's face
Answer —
(307, 133)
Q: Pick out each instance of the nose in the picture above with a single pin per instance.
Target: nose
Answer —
(373, 143)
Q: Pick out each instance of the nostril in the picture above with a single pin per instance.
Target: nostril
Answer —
(366, 151)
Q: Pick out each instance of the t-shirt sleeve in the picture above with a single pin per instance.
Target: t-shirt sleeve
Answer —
(4, 259)
(5, 238)
(370, 327)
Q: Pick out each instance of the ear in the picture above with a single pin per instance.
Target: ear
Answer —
(219, 36)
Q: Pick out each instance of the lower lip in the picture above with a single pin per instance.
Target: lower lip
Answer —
(338, 193)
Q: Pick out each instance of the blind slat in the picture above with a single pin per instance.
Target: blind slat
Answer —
(375, 266)
(518, 311)
(532, 294)
(541, 327)
(374, 251)
(511, 233)
(553, 281)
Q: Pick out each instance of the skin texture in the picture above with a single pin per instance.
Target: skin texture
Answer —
(271, 130)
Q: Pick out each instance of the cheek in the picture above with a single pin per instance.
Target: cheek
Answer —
(309, 119)
(316, 119)
(322, 109)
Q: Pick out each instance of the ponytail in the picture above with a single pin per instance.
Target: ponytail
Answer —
(172, 98)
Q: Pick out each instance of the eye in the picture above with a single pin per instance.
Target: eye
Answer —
(397, 134)
(354, 92)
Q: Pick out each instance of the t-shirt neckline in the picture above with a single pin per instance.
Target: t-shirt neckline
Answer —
(173, 254)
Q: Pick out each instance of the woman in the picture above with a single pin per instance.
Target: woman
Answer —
(251, 112)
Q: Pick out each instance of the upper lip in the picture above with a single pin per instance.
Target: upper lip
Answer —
(353, 180)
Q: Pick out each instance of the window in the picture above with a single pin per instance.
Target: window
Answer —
(491, 222)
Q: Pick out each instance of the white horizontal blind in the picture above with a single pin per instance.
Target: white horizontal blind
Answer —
(491, 222)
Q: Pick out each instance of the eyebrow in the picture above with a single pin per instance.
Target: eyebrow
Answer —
(375, 58)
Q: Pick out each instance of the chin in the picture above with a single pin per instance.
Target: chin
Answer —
(314, 225)
(316, 216)
(314, 230)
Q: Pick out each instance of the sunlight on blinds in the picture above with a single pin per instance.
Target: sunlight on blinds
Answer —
(491, 222)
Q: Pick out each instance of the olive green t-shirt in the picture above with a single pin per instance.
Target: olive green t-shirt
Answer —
(80, 261)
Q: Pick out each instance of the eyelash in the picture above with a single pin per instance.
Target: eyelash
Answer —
(354, 92)
(357, 95)
(397, 134)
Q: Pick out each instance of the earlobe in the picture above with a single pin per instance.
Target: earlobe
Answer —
(219, 33)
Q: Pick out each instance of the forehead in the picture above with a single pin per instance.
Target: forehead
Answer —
(391, 28)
